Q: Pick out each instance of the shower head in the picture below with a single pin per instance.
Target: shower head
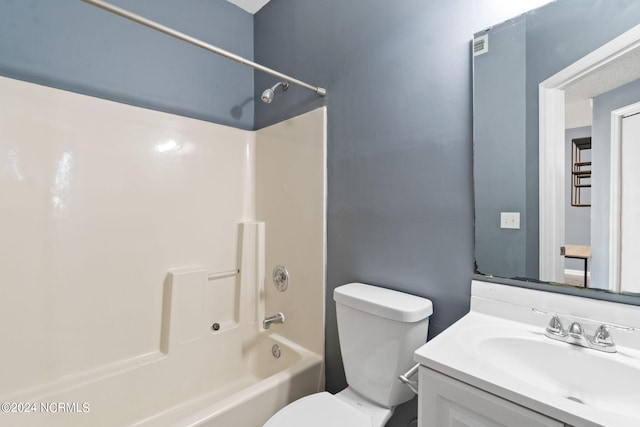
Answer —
(267, 95)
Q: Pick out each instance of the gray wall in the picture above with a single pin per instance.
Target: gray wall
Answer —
(499, 113)
(603, 105)
(71, 45)
(577, 230)
(400, 202)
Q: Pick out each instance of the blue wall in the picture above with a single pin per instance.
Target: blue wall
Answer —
(400, 200)
(400, 205)
(71, 45)
(499, 108)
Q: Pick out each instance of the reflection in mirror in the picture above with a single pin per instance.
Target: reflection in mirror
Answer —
(513, 172)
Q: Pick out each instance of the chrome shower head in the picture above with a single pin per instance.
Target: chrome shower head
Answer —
(268, 94)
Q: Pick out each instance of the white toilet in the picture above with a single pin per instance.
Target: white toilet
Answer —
(379, 330)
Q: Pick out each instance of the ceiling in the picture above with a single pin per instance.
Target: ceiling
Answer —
(251, 6)
(616, 73)
(578, 96)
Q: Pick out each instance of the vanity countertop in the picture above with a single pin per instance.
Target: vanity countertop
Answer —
(500, 347)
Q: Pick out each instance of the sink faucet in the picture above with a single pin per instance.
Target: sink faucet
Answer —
(600, 340)
(276, 318)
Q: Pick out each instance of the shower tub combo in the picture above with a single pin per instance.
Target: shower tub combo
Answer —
(216, 363)
(230, 372)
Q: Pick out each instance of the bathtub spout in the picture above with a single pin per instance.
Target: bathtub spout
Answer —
(276, 318)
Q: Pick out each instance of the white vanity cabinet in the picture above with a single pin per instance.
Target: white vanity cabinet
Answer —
(446, 402)
(495, 367)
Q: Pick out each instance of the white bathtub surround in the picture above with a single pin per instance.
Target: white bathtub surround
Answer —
(290, 198)
(112, 219)
(497, 359)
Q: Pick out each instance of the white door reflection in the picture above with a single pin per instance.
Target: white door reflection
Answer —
(630, 204)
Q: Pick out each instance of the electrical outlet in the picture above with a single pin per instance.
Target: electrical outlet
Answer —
(510, 220)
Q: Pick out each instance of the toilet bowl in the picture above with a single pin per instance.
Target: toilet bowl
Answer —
(345, 409)
(379, 329)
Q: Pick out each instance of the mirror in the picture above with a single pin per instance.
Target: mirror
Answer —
(540, 90)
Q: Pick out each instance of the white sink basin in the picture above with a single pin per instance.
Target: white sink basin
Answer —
(514, 360)
(567, 371)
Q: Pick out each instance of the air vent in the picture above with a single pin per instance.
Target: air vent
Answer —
(481, 45)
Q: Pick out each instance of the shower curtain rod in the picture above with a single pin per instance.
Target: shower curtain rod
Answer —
(184, 37)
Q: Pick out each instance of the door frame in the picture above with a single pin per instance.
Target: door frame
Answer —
(551, 149)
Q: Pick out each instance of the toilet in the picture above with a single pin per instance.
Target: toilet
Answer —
(379, 329)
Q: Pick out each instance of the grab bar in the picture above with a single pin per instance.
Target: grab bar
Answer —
(413, 385)
(221, 274)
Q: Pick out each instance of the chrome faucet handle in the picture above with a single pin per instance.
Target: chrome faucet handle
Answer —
(602, 336)
(555, 325)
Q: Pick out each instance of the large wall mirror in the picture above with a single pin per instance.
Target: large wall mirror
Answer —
(556, 113)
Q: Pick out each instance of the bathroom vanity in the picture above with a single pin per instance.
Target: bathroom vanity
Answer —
(524, 357)
(447, 402)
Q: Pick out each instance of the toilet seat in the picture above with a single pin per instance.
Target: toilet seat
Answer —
(319, 410)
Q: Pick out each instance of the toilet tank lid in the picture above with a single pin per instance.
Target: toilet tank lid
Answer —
(383, 302)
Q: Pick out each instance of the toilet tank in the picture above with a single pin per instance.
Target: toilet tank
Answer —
(379, 329)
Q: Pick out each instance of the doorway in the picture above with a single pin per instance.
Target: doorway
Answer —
(629, 202)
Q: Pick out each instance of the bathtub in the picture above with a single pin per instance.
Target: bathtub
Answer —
(214, 364)
(248, 386)
(266, 384)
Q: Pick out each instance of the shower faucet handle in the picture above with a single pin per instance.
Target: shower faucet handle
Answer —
(280, 277)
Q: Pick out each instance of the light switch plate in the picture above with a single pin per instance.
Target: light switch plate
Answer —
(510, 220)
